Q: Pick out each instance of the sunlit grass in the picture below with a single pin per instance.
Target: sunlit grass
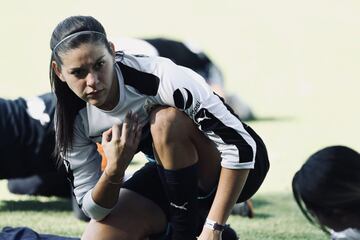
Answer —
(276, 217)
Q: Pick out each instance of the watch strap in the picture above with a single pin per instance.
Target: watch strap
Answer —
(213, 225)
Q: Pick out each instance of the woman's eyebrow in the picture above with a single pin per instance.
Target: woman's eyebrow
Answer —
(100, 58)
(82, 67)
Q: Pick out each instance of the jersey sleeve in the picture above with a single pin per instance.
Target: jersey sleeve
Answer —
(83, 163)
(184, 89)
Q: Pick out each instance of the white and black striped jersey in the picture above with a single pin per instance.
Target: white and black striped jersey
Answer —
(145, 82)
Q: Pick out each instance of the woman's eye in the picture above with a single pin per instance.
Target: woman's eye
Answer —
(79, 73)
(99, 65)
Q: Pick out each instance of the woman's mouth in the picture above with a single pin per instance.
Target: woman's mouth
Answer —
(94, 94)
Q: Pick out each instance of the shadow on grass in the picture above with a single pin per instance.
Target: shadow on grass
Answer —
(259, 202)
(33, 205)
(271, 119)
(263, 215)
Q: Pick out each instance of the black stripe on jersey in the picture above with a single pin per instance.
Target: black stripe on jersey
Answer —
(70, 177)
(182, 99)
(228, 107)
(69, 172)
(209, 122)
(145, 83)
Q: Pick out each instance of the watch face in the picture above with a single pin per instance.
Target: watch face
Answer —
(219, 227)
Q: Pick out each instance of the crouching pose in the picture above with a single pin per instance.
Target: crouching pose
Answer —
(205, 158)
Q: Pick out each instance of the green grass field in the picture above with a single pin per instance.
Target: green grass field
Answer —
(277, 217)
(295, 62)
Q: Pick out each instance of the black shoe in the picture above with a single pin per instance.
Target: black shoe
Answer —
(229, 233)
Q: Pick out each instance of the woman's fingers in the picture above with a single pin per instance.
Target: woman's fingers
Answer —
(106, 136)
(113, 133)
(129, 131)
(126, 127)
(137, 134)
(121, 141)
(136, 131)
(116, 132)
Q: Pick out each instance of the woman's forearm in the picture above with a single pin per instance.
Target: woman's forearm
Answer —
(106, 191)
(120, 144)
(231, 183)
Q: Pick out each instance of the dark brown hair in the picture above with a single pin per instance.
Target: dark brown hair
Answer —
(68, 104)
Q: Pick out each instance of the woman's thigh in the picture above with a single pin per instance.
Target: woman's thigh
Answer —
(209, 160)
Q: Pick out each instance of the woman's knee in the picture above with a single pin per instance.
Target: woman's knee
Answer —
(169, 124)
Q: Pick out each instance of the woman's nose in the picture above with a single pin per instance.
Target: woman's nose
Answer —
(91, 79)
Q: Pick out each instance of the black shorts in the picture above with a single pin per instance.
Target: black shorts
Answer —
(257, 175)
(147, 183)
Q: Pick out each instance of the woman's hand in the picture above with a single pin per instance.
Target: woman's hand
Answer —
(120, 144)
(208, 234)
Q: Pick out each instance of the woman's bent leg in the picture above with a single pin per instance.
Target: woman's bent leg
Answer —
(188, 160)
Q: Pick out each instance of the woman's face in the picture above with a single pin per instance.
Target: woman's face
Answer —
(89, 72)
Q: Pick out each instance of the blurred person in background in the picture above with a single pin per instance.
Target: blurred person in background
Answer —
(327, 190)
(26, 149)
(27, 144)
